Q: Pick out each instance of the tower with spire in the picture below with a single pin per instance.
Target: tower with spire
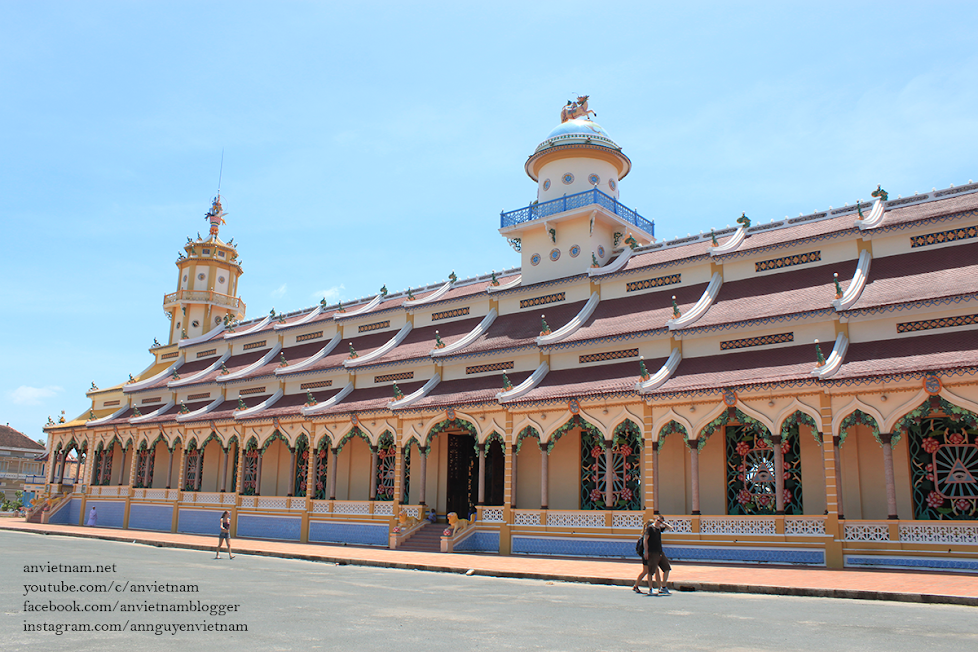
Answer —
(207, 283)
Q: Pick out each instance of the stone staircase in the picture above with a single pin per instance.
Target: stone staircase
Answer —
(427, 539)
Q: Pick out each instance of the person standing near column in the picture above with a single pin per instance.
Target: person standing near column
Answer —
(656, 558)
(225, 535)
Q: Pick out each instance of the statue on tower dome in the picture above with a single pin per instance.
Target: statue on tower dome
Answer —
(215, 215)
(576, 109)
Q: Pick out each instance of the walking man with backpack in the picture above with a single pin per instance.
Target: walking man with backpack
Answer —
(653, 558)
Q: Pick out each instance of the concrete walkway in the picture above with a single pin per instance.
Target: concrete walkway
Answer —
(903, 586)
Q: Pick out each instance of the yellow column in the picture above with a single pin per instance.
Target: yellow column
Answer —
(834, 557)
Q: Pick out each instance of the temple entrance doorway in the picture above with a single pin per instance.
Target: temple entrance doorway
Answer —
(495, 474)
(463, 474)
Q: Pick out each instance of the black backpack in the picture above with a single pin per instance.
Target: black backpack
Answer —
(640, 545)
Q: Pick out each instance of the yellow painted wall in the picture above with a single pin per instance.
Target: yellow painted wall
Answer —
(353, 468)
(812, 473)
(674, 497)
(213, 463)
(528, 475)
(564, 472)
(713, 476)
(161, 462)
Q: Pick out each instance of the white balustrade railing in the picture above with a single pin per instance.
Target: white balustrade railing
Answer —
(110, 491)
(492, 514)
(248, 501)
(680, 525)
(384, 508)
(575, 519)
(867, 531)
(526, 517)
(357, 508)
(414, 512)
(629, 521)
(804, 526)
(228, 499)
(320, 507)
(737, 525)
(937, 533)
(272, 502)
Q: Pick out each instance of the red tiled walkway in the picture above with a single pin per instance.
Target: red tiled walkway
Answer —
(907, 586)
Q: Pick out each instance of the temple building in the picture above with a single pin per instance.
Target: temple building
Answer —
(801, 391)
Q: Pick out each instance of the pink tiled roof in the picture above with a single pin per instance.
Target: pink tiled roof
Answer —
(363, 344)
(522, 328)
(234, 363)
(786, 235)
(785, 293)
(935, 352)
(293, 355)
(919, 275)
(587, 381)
(670, 255)
(372, 398)
(293, 403)
(185, 370)
(930, 209)
(743, 368)
(171, 414)
(480, 389)
(10, 438)
(421, 341)
(636, 313)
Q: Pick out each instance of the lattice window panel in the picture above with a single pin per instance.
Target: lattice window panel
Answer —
(574, 519)
(204, 354)
(964, 233)
(631, 521)
(804, 526)
(386, 458)
(384, 509)
(309, 336)
(544, 300)
(376, 326)
(448, 314)
(358, 508)
(737, 526)
(659, 281)
(526, 518)
(788, 261)
(197, 397)
(939, 533)
(253, 345)
(169, 356)
(495, 366)
(492, 515)
(867, 532)
(930, 324)
(252, 390)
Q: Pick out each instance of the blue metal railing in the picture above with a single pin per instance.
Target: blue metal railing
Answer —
(570, 202)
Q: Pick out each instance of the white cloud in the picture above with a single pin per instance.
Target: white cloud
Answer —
(331, 294)
(280, 292)
(25, 395)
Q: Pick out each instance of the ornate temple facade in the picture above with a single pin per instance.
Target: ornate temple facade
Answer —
(800, 391)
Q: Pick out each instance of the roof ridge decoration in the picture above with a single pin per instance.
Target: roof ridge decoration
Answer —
(322, 353)
(506, 286)
(610, 268)
(664, 373)
(135, 387)
(701, 306)
(416, 395)
(214, 332)
(858, 283)
(366, 308)
(383, 350)
(267, 403)
(210, 407)
(834, 362)
(145, 417)
(190, 379)
(254, 329)
(875, 216)
(523, 388)
(115, 415)
(312, 315)
(470, 337)
(264, 360)
(311, 410)
(735, 240)
(434, 296)
(574, 324)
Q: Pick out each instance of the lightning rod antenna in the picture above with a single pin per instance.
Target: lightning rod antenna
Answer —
(220, 174)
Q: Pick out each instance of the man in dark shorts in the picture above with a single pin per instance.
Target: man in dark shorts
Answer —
(654, 558)
(225, 535)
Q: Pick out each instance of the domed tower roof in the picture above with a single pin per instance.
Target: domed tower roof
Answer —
(575, 137)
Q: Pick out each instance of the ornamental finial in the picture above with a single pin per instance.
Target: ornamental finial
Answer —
(879, 192)
(643, 372)
(838, 288)
(215, 215)
(744, 220)
(507, 384)
(818, 355)
(544, 328)
(576, 109)
(398, 394)
(675, 308)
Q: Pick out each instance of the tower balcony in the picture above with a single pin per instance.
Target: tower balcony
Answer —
(205, 297)
(576, 201)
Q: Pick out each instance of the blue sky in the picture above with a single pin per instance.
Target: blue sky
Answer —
(376, 143)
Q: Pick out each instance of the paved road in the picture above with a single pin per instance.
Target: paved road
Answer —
(299, 605)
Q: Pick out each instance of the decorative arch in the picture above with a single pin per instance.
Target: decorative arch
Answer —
(302, 456)
(673, 426)
(576, 421)
(855, 404)
(797, 418)
(741, 417)
(792, 409)
(353, 432)
(858, 417)
(441, 426)
(276, 435)
(495, 435)
(249, 477)
(626, 430)
(625, 472)
(386, 458)
(526, 432)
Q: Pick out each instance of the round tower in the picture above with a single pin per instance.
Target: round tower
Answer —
(207, 283)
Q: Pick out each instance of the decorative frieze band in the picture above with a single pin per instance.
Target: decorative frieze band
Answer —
(111, 403)
(386, 378)
(544, 300)
(376, 326)
(964, 233)
(656, 282)
(252, 390)
(448, 314)
(788, 261)
(155, 399)
(610, 355)
(204, 354)
(495, 366)
(317, 384)
(309, 336)
(930, 324)
(763, 340)
(199, 397)
(170, 355)
(253, 345)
